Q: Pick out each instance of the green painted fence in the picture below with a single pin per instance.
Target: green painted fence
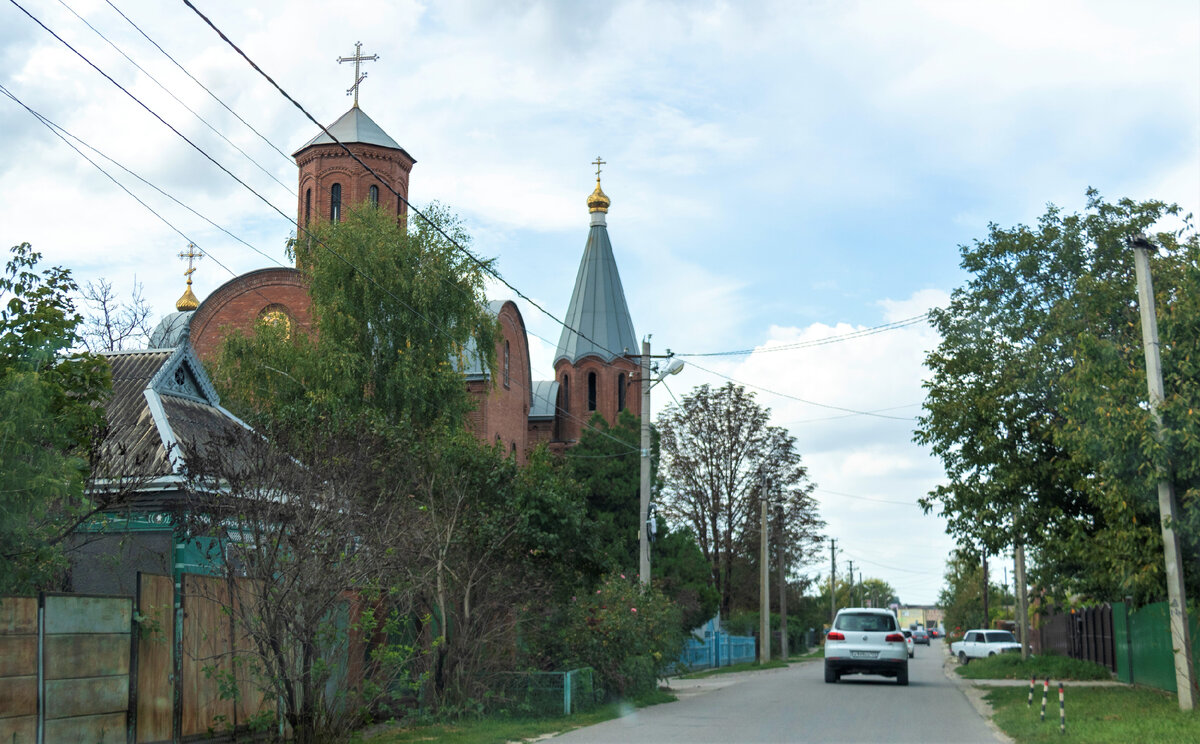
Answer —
(1143, 645)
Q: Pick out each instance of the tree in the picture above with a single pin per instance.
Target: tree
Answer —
(719, 458)
(111, 324)
(396, 313)
(606, 464)
(999, 410)
(51, 420)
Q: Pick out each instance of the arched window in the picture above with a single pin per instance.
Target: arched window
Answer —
(591, 391)
(506, 356)
(335, 202)
(307, 206)
(374, 196)
(621, 392)
(565, 394)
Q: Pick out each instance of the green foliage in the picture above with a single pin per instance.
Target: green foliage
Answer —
(1045, 666)
(1035, 400)
(397, 314)
(607, 466)
(50, 419)
(628, 634)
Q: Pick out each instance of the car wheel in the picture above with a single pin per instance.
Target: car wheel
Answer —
(830, 675)
(910, 654)
(902, 676)
(962, 658)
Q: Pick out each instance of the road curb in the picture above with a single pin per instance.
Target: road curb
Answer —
(975, 696)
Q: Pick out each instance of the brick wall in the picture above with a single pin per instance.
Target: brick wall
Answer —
(574, 380)
(321, 166)
(238, 303)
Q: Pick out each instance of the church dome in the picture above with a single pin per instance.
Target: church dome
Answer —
(188, 300)
(173, 330)
(598, 201)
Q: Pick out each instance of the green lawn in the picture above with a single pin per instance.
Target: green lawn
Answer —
(501, 729)
(1010, 666)
(750, 666)
(1095, 714)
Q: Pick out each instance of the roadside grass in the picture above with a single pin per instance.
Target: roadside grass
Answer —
(816, 652)
(500, 729)
(1094, 714)
(1010, 666)
(750, 666)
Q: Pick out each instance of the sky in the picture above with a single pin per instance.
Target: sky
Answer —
(780, 172)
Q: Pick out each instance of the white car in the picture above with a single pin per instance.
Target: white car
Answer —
(912, 645)
(981, 643)
(866, 640)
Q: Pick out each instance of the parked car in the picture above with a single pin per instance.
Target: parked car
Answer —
(935, 633)
(980, 643)
(920, 636)
(908, 641)
(866, 640)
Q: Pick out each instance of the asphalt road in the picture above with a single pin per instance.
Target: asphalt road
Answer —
(795, 705)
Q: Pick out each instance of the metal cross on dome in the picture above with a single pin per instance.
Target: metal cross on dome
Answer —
(192, 255)
(356, 59)
(598, 162)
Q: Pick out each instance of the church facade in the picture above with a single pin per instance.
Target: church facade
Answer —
(592, 370)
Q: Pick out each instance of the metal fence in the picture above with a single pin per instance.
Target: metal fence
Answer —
(1085, 633)
(717, 649)
(548, 693)
(1144, 653)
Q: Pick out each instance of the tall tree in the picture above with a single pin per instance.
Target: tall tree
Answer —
(51, 418)
(397, 309)
(720, 457)
(113, 324)
(997, 407)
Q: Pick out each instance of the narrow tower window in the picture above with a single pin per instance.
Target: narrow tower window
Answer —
(565, 392)
(307, 206)
(374, 196)
(506, 355)
(591, 391)
(621, 392)
(335, 202)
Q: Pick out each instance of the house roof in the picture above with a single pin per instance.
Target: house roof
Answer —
(163, 409)
(543, 403)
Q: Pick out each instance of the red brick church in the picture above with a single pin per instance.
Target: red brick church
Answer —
(591, 373)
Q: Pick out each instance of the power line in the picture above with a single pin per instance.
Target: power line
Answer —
(861, 333)
(802, 400)
(176, 98)
(214, 96)
(865, 498)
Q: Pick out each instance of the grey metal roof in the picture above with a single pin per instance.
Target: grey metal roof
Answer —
(545, 397)
(172, 330)
(598, 310)
(354, 126)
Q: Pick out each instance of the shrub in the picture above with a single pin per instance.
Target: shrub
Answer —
(627, 633)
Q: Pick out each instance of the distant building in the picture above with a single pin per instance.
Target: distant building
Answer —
(924, 616)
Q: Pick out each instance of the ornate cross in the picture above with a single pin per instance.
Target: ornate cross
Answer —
(598, 162)
(356, 59)
(192, 255)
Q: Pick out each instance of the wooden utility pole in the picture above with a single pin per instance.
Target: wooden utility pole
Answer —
(1022, 599)
(783, 594)
(1181, 642)
(764, 584)
(832, 580)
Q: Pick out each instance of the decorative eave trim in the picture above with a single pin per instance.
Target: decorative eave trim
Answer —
(169, 441)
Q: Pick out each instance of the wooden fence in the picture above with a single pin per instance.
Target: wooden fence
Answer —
(102, 669)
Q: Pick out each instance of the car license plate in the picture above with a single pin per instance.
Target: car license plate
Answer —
(863, 654)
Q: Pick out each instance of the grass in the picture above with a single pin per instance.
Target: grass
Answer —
(1010, 666)
(500, 729)
(1095, 714)
(750, 666)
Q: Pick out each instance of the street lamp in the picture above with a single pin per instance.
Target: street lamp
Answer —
(644, 511)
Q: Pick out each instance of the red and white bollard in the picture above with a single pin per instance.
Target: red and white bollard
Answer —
(1045, 693)
(1062, 710)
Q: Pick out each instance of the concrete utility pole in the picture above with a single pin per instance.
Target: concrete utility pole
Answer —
(764, 584)
(1181, 642)
(644, 510)
(1022, 599)
(987, 618)
(862, 591)
(832, 580)
(783, 595)
(850, 596)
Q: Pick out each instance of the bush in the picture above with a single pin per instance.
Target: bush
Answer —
(628, 634)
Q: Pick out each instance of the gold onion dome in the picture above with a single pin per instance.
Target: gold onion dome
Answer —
(188, 301)
(598, 201)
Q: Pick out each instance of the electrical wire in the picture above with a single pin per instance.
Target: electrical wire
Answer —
(861, 333)
(802, 400)
(865, 498)
(167, 90)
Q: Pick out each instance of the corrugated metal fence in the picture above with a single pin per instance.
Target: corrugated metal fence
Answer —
(1080, 634)
(717, 649)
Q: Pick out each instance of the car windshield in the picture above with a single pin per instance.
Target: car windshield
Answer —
(1000, 636)
(869, 622)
